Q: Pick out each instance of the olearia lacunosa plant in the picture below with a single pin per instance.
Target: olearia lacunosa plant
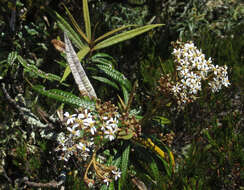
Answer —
(99, 136)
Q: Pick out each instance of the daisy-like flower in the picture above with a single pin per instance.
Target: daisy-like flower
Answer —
(106, 181)
(64, 157)
(84, 115)
(117, 174)
(112, 122)
(225, 81)
(73, 131)
(215, 69)
(61, 139)
(109, 134)
(189, 46)
(185, 83)
(83, 147)
(89, 122)
(176, 88)
(71, 118)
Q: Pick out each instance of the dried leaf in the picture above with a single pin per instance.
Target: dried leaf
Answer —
(59, 45)
(140, 185)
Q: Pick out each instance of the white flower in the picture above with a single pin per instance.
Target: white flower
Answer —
(71, 118)
(176, 88)
(65, 158)
(84, 115)
(185, 83)
(215, 69)
(192, 67)
(89, 122)
(189, 46)
(83, 147)
(61, 139)
(73, 131)
(113, 123)
(93, 130)
(225, 82)
(117, 174)
(109, 134)
(66, 114)
(106, 181)
(105, 118)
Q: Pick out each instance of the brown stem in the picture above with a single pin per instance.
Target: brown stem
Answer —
(53, 183)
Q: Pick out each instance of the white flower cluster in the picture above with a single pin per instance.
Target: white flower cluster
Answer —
(84, 134)
(82, 128)
(192, 68)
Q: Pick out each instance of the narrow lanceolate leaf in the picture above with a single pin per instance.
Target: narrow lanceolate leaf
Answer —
(83, 52)
(64, 25)
(116, 75)
(154, 170)
(106, 81)
(75, 24)
(87, 19)
(112, 32)
(103, 58)
(125, 95)
(65, 97)
(77, 70)
(125, 36)
(34, 70)
(124, 167)
(67, 71)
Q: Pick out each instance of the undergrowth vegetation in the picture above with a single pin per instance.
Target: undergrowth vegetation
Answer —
(131, 94)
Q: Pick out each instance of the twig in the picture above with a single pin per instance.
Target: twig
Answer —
(25, 113)
(6, 176)
(53, 183)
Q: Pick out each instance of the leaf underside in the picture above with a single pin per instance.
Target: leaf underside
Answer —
(77, 70)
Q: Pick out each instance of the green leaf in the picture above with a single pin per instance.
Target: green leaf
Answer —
(103, 59)
(124, 166)
(65, 97)
(171, 158)
(83, 52)
(102, 55)
(125, 94)
(162, 120)
(75, 24)
(64, 25)
(87, 19)
(106, 81)
(66, 74)
(12, 57)
(125, 36)
(34, 70)
(111, 186)
(104, 187)
(154, 170)
(125, 134)
(116, 75)
(112, 32)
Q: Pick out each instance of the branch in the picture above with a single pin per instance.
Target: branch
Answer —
(25, 113)
(30, 118)
(6, 176)
(53, 183)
